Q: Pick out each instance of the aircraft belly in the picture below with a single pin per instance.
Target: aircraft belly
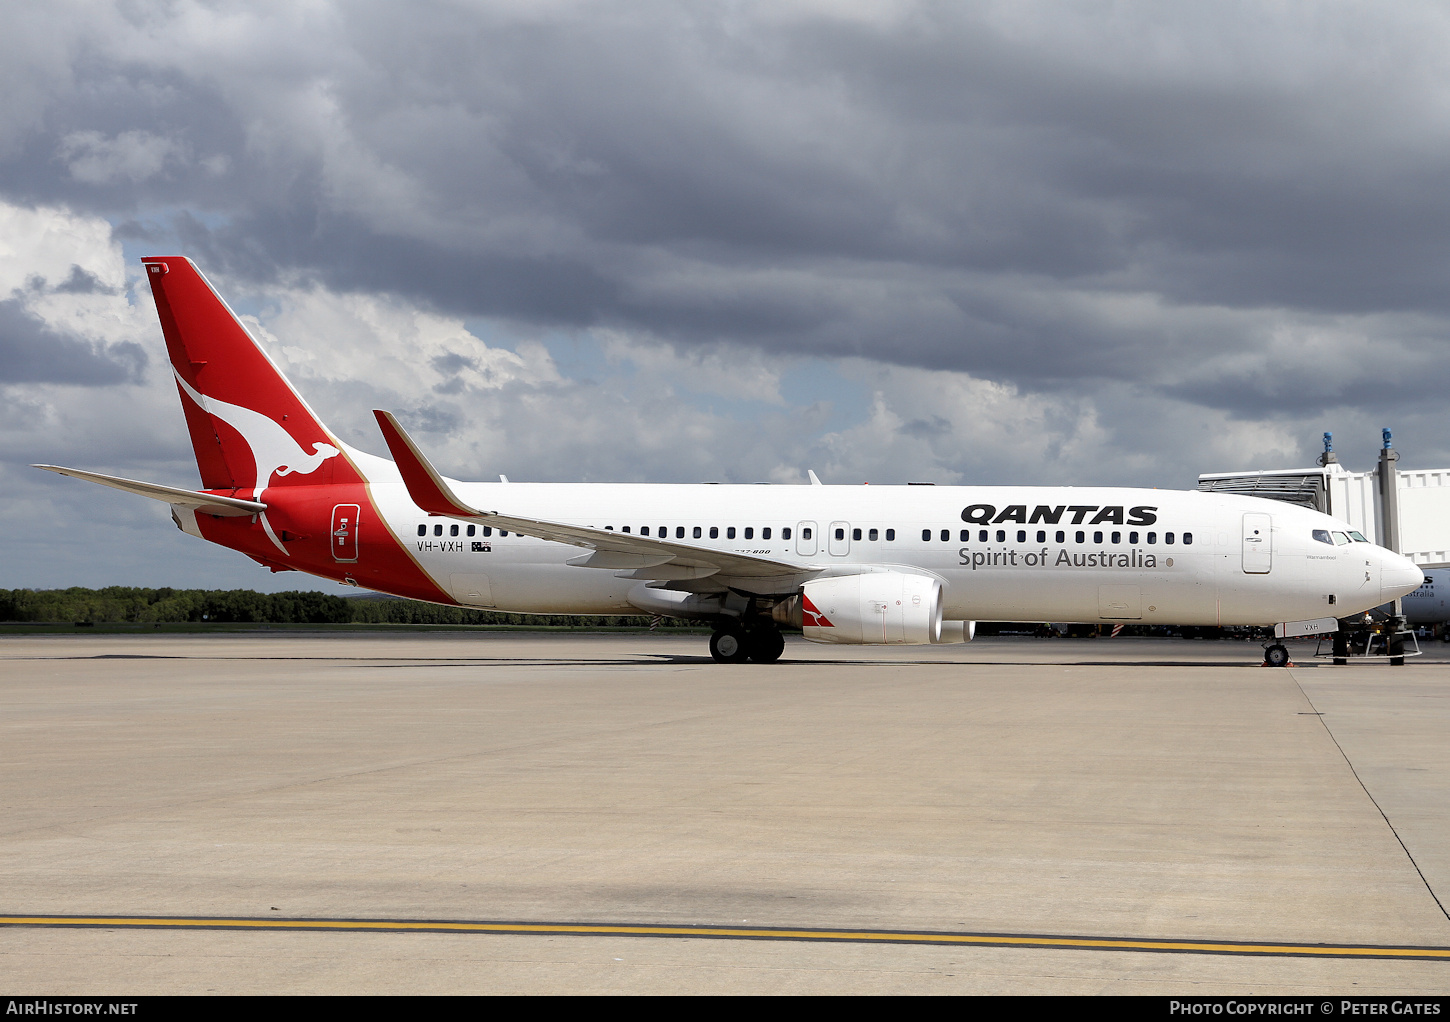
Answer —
(1182, 596)
(559, 589)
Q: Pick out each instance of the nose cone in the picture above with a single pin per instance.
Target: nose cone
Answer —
(1398, 577)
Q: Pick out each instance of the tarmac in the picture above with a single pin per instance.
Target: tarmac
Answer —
(1122, 816)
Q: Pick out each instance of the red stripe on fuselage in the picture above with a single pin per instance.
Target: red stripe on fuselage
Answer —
(302, 517)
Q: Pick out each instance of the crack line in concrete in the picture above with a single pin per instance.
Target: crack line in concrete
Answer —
(1363, 787)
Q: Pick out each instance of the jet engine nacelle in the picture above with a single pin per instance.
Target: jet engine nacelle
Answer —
(877, 608)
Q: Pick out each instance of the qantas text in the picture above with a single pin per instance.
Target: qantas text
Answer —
(1042, 514)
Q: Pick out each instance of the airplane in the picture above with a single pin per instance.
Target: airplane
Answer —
(909, 564)
(1430, 604)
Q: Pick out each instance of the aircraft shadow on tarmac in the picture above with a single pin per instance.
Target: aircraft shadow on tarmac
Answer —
(657, 659)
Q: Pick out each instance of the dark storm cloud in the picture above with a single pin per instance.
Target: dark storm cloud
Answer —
(30, 352)
(82, 282)
(995, 190)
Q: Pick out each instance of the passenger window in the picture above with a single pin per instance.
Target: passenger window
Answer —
(966, 536)
(437, 530)
(624, 528)
(680, 532)
(423, 531)
(470, 529)
(1340, 539)
(1061, 536)
(926, 535)
(855, 533)
(1042, 535)
(1081, 537)
(1097, 537)
(452, 530)
(1001, 535)
(697, 532)
(644, 530)
(765, 533)
(749, 532)
(1188, 539)
(805, 534)
(609, 528)
(1022, 535)
(840, 533)
(1152, 538)
(730, 532)
(982, 536)
(487, 531)
(1117, 537)
(873, 535)
(784, 533)
(946, 535)
(503, 532)
(1168, 538)
(891, 535)
(1132, 537)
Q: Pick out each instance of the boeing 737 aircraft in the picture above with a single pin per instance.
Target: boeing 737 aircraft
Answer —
(848, 564)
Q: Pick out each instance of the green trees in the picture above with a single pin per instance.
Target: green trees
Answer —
(124, 604)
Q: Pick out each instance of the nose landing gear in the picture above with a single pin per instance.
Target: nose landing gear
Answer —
(1276, 655)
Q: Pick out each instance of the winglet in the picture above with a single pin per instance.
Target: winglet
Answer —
(425, 485)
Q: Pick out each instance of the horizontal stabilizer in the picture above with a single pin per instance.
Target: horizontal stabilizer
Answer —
(207, 503)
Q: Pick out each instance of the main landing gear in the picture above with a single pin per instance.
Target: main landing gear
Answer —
(732, 644)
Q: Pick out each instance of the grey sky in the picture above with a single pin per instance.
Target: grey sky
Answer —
(994, 242)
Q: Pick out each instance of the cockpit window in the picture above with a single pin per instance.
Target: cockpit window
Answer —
(1322, 535)
(1358, 537)
(1341, 539)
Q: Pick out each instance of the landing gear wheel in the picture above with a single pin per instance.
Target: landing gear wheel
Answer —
(1276, 655)
(765, 645)
(728, 646)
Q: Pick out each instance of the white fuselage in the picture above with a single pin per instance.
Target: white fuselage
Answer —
(1148, 556)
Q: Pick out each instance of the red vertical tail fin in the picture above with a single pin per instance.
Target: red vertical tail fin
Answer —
(249, 427)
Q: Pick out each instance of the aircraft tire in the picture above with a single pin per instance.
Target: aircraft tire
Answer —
(765, 645)
(1276, 655)
(729, 646)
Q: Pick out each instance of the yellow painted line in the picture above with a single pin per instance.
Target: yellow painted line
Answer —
(740, 933)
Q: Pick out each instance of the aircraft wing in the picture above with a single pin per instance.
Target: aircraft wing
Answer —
(631, 556)
(209, 503)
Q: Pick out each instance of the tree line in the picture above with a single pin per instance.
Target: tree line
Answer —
(126, 604)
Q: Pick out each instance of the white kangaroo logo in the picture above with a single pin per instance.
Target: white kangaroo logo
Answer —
(274, 451)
